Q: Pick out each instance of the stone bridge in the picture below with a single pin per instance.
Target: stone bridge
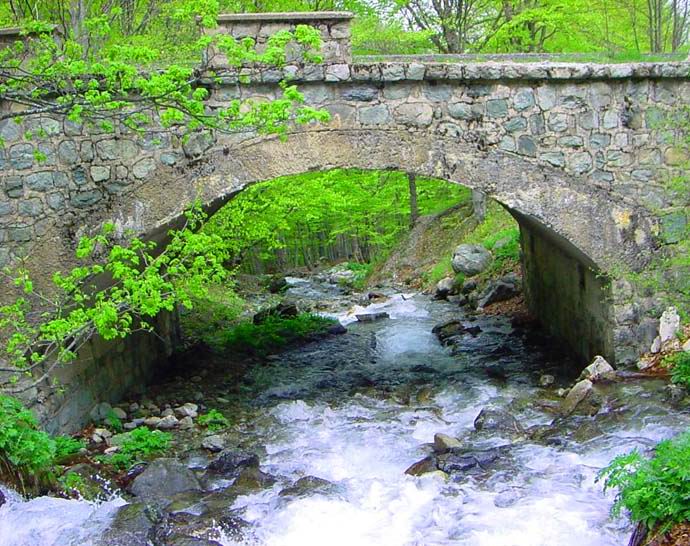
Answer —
(578, 153)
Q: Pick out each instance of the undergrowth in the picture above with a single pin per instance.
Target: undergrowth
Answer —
(679, 363)
(138, 445)
(656, 491)
(273, 333)
(28, 456)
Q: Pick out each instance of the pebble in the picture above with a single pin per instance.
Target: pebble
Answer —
(133, 407)
(443, 443)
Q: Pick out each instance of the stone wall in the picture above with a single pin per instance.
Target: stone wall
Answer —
(568, 293)
(104, 372)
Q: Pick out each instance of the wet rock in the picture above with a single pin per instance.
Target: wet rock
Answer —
(184, 529)
(497, 291)
(214, 443)
(164, 478)
(474, 331)
(586, 431)
(468, 461)
(493, 420)
(3, 500)
(231, 462)
(546, 380)
(470, 285)
(371, 317)
(167, 412)
(187, 410)
(131, 526)
(252, 479)
(309, 485)
(282, 310)
(675, 393)
(598, 370)
(506, 498)
(447, 330)
(444, 288)
(470, 260)
(426, 465)
(336, 330)
(576, 395)
(152, 422)
(444, 443)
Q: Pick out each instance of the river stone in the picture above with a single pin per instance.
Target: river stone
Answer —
(443, 442)
(599, 369)
(214, 443)
(185, 529)
(497, 291)
(231, 462)
(426, 465)
(470, 260)
(371, 317)
(168, 422)
(100, 411)
(576, 395)
(458, 461)
(3, 500)
(444, 288)
(130, 526)
(494, 420)
(447, 330)
(164, 478)
(282, 310)
(309, 485)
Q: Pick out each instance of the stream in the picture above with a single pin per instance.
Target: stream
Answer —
(356, 410)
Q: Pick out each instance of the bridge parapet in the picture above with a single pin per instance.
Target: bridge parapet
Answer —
(333, 25)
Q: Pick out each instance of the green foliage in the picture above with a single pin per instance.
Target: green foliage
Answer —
(679, 363)
(362, 272)
(95, 77)
(372, 35)
(138, 445)
(218, 310)
(656, 491)
(299, 220)
(72, 483)
(114, 422)
(66, 446)
(213, 420)
(23, 447)
(273, 333)
(145, 282)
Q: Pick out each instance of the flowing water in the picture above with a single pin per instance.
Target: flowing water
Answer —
(357, 410)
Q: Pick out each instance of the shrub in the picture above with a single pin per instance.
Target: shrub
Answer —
(273, 333)
(137, 445)
(656, 491)
(66, 446)
(213, 420)
(680, 367)
(24, 448)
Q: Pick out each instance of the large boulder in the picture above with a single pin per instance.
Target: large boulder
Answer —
(599, 369)
(576, 395)
(470, 260)
(498, 421)
(164, 478)
(501, 290)
(230, 463)
(444, 288)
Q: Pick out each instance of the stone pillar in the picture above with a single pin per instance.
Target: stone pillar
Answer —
(333, 25)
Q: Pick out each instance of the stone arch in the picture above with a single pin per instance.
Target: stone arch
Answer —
(573, 231)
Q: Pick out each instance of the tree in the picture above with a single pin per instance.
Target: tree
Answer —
(113, 85)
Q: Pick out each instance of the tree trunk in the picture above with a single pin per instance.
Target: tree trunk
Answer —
(478, 205)
(414, 208)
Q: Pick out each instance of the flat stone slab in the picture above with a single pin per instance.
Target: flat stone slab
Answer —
(371, 317)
